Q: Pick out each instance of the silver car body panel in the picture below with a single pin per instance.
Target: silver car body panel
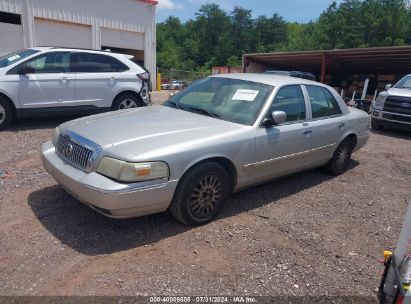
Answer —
(183, 139)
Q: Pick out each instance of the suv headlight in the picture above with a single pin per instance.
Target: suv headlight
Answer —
(379, 102)
(56, 135)
(132, 172)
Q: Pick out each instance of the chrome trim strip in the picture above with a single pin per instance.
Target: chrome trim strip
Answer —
(391, 120)
(134, 187)
(273, 160)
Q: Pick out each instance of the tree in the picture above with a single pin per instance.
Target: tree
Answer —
(215, 38)
(241, 31)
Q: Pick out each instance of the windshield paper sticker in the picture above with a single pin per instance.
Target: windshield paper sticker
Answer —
(247, 95)
(13, 57)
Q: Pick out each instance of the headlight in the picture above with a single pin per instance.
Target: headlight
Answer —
(56, 136)
(132, 172)
(379, 102)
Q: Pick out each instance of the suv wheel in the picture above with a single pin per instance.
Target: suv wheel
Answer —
(6, 113)
(201, 194)
(126, 101)
(342, 155)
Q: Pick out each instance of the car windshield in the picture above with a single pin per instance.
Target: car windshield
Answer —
(228, 99)
(9, 59)
(404, 83)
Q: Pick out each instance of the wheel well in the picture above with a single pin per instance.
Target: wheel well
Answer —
(128, 92)
(10, 102)
(353, 139)
(226, 164)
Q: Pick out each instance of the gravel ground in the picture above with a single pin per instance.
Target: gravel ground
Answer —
(307, 234)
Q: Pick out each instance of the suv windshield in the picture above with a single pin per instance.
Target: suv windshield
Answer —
(404, 83)
(16, 56)
(232, 100)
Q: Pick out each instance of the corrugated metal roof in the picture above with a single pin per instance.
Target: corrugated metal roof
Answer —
(376, 59)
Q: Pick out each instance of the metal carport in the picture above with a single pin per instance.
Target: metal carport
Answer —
(377, 60)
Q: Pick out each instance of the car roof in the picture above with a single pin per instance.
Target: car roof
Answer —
(46, 48)
(269, 79)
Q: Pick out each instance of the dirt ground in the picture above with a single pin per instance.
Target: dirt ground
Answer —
(308, 234)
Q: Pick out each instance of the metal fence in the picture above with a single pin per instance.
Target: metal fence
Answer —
(173, 79)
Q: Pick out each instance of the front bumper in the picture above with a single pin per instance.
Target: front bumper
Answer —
(391, 119)
(111, 198)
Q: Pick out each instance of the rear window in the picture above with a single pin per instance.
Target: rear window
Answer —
(9, 59)
(96, 63)
(323, 103)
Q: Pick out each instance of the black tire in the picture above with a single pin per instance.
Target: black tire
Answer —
(200, 194)
(6, 113)
(375, 125)
(342, 156)
(122, 100)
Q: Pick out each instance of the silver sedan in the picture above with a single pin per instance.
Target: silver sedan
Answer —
(220, 135)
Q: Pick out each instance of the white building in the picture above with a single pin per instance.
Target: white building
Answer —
(126, 26)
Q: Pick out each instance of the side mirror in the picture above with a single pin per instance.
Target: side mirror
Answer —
(388, 86)
(278, 117)
(171, 94)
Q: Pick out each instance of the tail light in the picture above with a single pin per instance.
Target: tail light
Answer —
(144, 76)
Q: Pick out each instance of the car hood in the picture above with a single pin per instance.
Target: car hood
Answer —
(147, 129)
(400, 92)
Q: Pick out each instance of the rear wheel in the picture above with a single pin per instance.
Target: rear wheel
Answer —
(6, 113)
(126, 101)
(342, 155)
(201, 194)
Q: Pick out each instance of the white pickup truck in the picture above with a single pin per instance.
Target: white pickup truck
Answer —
(393, 106)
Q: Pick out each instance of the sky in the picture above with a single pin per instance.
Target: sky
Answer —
(290, 10)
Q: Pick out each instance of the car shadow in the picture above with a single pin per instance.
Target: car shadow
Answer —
(90, 233)
(396, 133)
(38, 123)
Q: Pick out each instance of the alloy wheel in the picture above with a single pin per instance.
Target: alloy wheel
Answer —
(127, 104)
(206, 196)
(342, 156)
(2, 114)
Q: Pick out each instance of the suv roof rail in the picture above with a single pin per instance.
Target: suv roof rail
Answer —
(74, 48)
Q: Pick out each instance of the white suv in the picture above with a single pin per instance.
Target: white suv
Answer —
(48, 80)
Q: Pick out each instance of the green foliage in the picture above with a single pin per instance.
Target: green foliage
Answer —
(217, 38)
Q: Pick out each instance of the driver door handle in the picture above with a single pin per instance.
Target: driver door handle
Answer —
(65, 79)
(307, 131)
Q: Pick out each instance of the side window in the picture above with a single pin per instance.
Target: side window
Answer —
(96, 63)
(290, 99)
(323, 104)
(58, 62)
(332, 103)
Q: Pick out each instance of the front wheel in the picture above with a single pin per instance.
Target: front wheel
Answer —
(375, 125)
(201, 194)
(341, 157)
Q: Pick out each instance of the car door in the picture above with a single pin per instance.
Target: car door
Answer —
(98, 79)
(327, 124)
(46, 81)
(281, 149)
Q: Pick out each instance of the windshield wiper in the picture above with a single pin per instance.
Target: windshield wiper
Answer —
(204, 111)
(176, 104)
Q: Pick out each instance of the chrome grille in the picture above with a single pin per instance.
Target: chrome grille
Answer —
(73, 153)
(398, 104)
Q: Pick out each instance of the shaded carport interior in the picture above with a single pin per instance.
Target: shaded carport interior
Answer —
(378, 60)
